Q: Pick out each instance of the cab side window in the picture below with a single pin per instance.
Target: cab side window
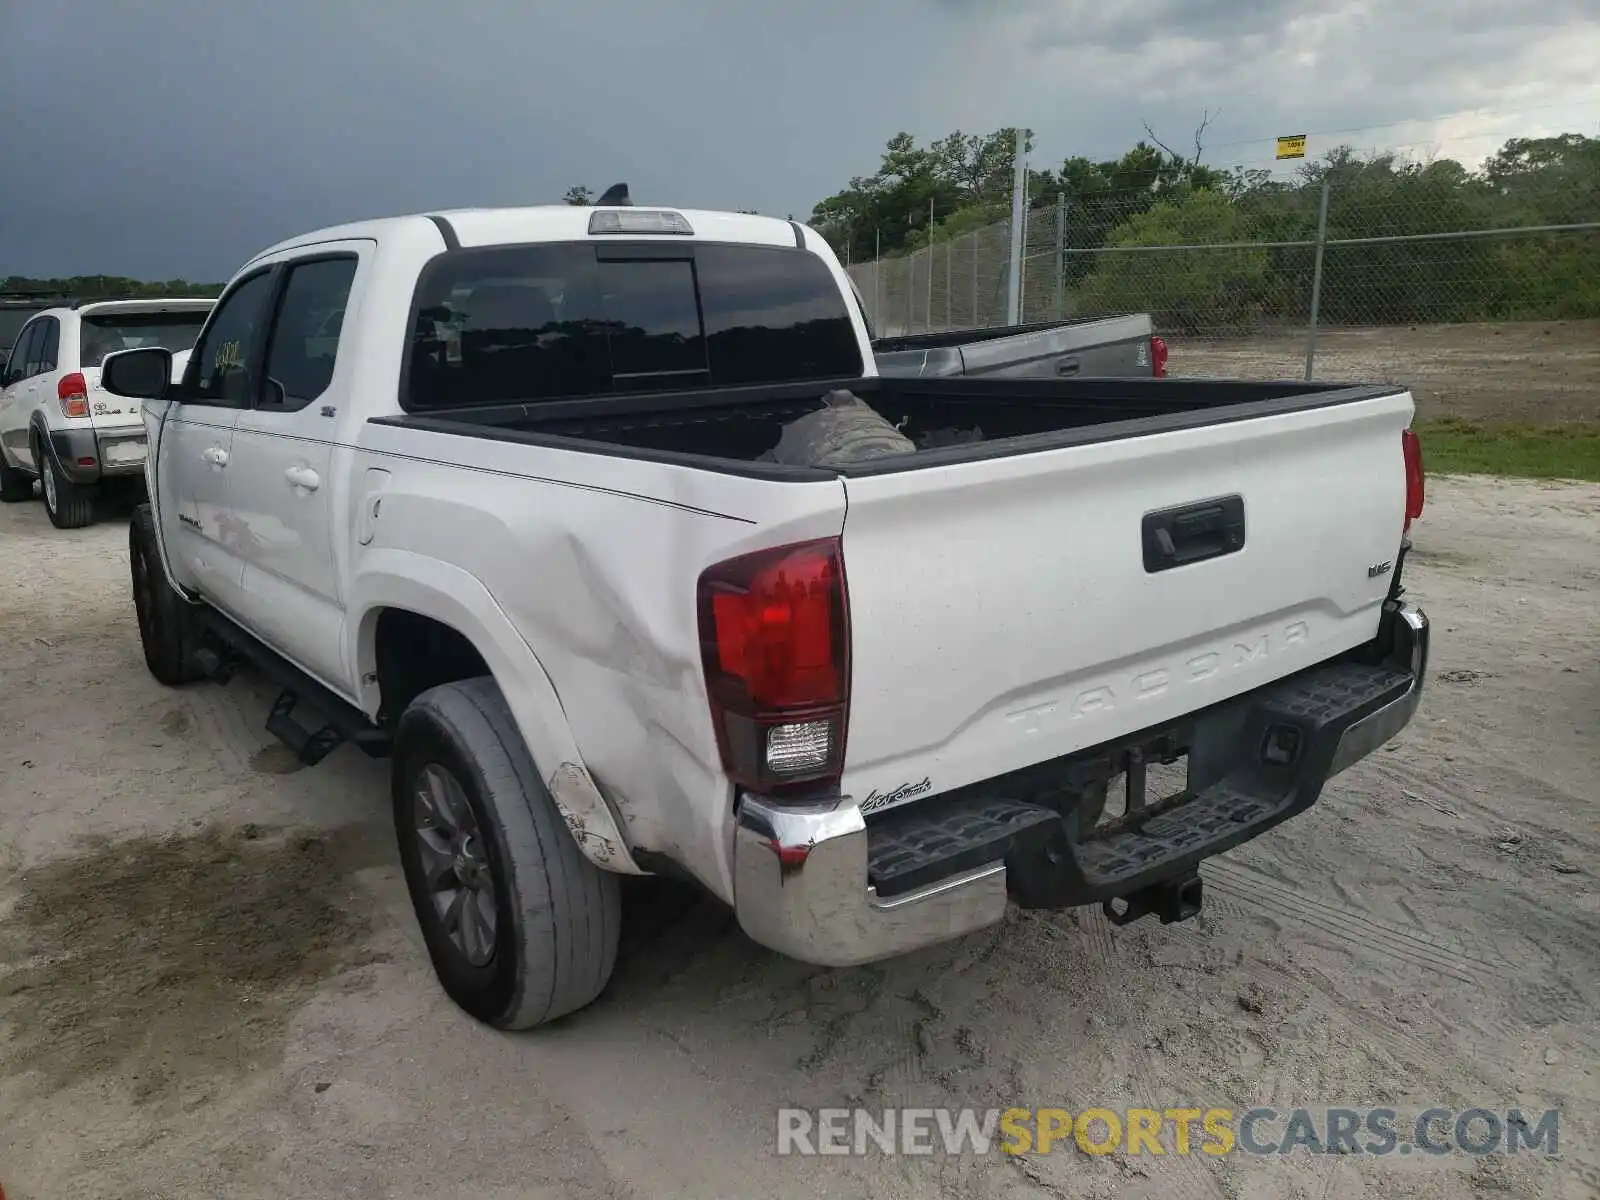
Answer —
(227, 359)
(305, 333)
(26, 349)
(50, 346)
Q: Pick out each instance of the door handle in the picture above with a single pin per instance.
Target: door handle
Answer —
(1191, 533)
(1068, 366)
(303, 477)
(216, 456)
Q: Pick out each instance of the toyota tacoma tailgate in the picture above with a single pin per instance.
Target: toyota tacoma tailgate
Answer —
(1013, 609)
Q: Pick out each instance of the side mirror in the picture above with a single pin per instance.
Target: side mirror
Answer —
(141, 374)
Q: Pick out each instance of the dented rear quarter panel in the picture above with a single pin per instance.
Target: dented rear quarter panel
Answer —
(593, 561)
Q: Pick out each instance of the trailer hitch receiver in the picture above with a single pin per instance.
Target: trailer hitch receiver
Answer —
(1175, 899)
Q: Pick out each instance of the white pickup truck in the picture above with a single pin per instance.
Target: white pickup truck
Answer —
(493, 492)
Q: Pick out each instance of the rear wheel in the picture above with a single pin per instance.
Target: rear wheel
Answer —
(16, 485)
(168, 630)
(70, 505)
(520, 926)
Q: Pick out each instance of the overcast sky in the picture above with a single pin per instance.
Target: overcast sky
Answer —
(178, 137)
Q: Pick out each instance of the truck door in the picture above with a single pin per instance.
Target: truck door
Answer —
(205, 544)
(284, 489)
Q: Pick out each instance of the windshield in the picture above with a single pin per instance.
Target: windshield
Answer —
(132, 331)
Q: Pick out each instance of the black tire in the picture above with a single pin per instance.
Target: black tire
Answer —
(69, 505)
(557, 916)
(168, 630)
(15, 485)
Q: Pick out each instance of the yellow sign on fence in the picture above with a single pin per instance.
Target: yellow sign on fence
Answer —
(1293, 146)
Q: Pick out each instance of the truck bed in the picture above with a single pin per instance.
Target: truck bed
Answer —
(951, 420)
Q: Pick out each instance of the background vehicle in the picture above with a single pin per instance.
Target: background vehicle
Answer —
(1092, 346)
(16, 308)
(57, 424)
(515, 523)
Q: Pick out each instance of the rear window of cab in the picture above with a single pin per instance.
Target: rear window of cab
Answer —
(573, 319)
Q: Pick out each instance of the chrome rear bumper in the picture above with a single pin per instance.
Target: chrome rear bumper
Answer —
(800, 887)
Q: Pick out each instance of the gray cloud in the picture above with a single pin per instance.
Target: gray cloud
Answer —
(179, 138)
(1134, 23)
(1281, 66)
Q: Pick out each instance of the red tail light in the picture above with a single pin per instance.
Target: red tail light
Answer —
(775, 644)
(1158, 357)
(73, 393)
(1414, 477)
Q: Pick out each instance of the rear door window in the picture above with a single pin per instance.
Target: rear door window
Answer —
(305, 336)
(38, 340)
(569, 320)
(50, 351)
(27, 340)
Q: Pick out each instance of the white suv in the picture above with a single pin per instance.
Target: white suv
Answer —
(57, 424)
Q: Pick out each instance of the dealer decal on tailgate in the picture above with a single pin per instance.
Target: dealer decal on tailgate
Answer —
(906, 791)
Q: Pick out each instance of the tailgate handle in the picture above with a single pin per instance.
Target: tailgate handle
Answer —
(1068, 366)
(1191, 533)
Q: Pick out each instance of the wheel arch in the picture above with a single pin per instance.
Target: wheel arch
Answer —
(417, 588)
(39, 438)
(47, 444)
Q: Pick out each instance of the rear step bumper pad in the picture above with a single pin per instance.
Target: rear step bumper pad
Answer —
(816, 883)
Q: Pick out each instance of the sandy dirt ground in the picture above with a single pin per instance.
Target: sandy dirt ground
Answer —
(1535, 371)
(211, 983)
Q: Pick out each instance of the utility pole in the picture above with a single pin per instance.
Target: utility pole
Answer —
(1061, 256)
(877, 269)
(1019, 212)
(1316, 283)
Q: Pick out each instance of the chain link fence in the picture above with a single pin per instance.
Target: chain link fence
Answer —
(1436, 282)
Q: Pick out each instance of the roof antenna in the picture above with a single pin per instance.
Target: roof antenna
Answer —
(615, 196)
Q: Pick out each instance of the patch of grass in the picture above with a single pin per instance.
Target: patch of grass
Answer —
(1455, 446)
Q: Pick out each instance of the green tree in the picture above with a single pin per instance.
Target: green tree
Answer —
(107, 287)
(1425, 278)
(1101, 195)
(890, 209)
(1547, 181)
(1185, 290)
(578, 196)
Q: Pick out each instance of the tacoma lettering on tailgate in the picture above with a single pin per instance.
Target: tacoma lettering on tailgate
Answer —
(1155, 681)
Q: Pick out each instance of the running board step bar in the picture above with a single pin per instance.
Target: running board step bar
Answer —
(309, 746)
(337, 721)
